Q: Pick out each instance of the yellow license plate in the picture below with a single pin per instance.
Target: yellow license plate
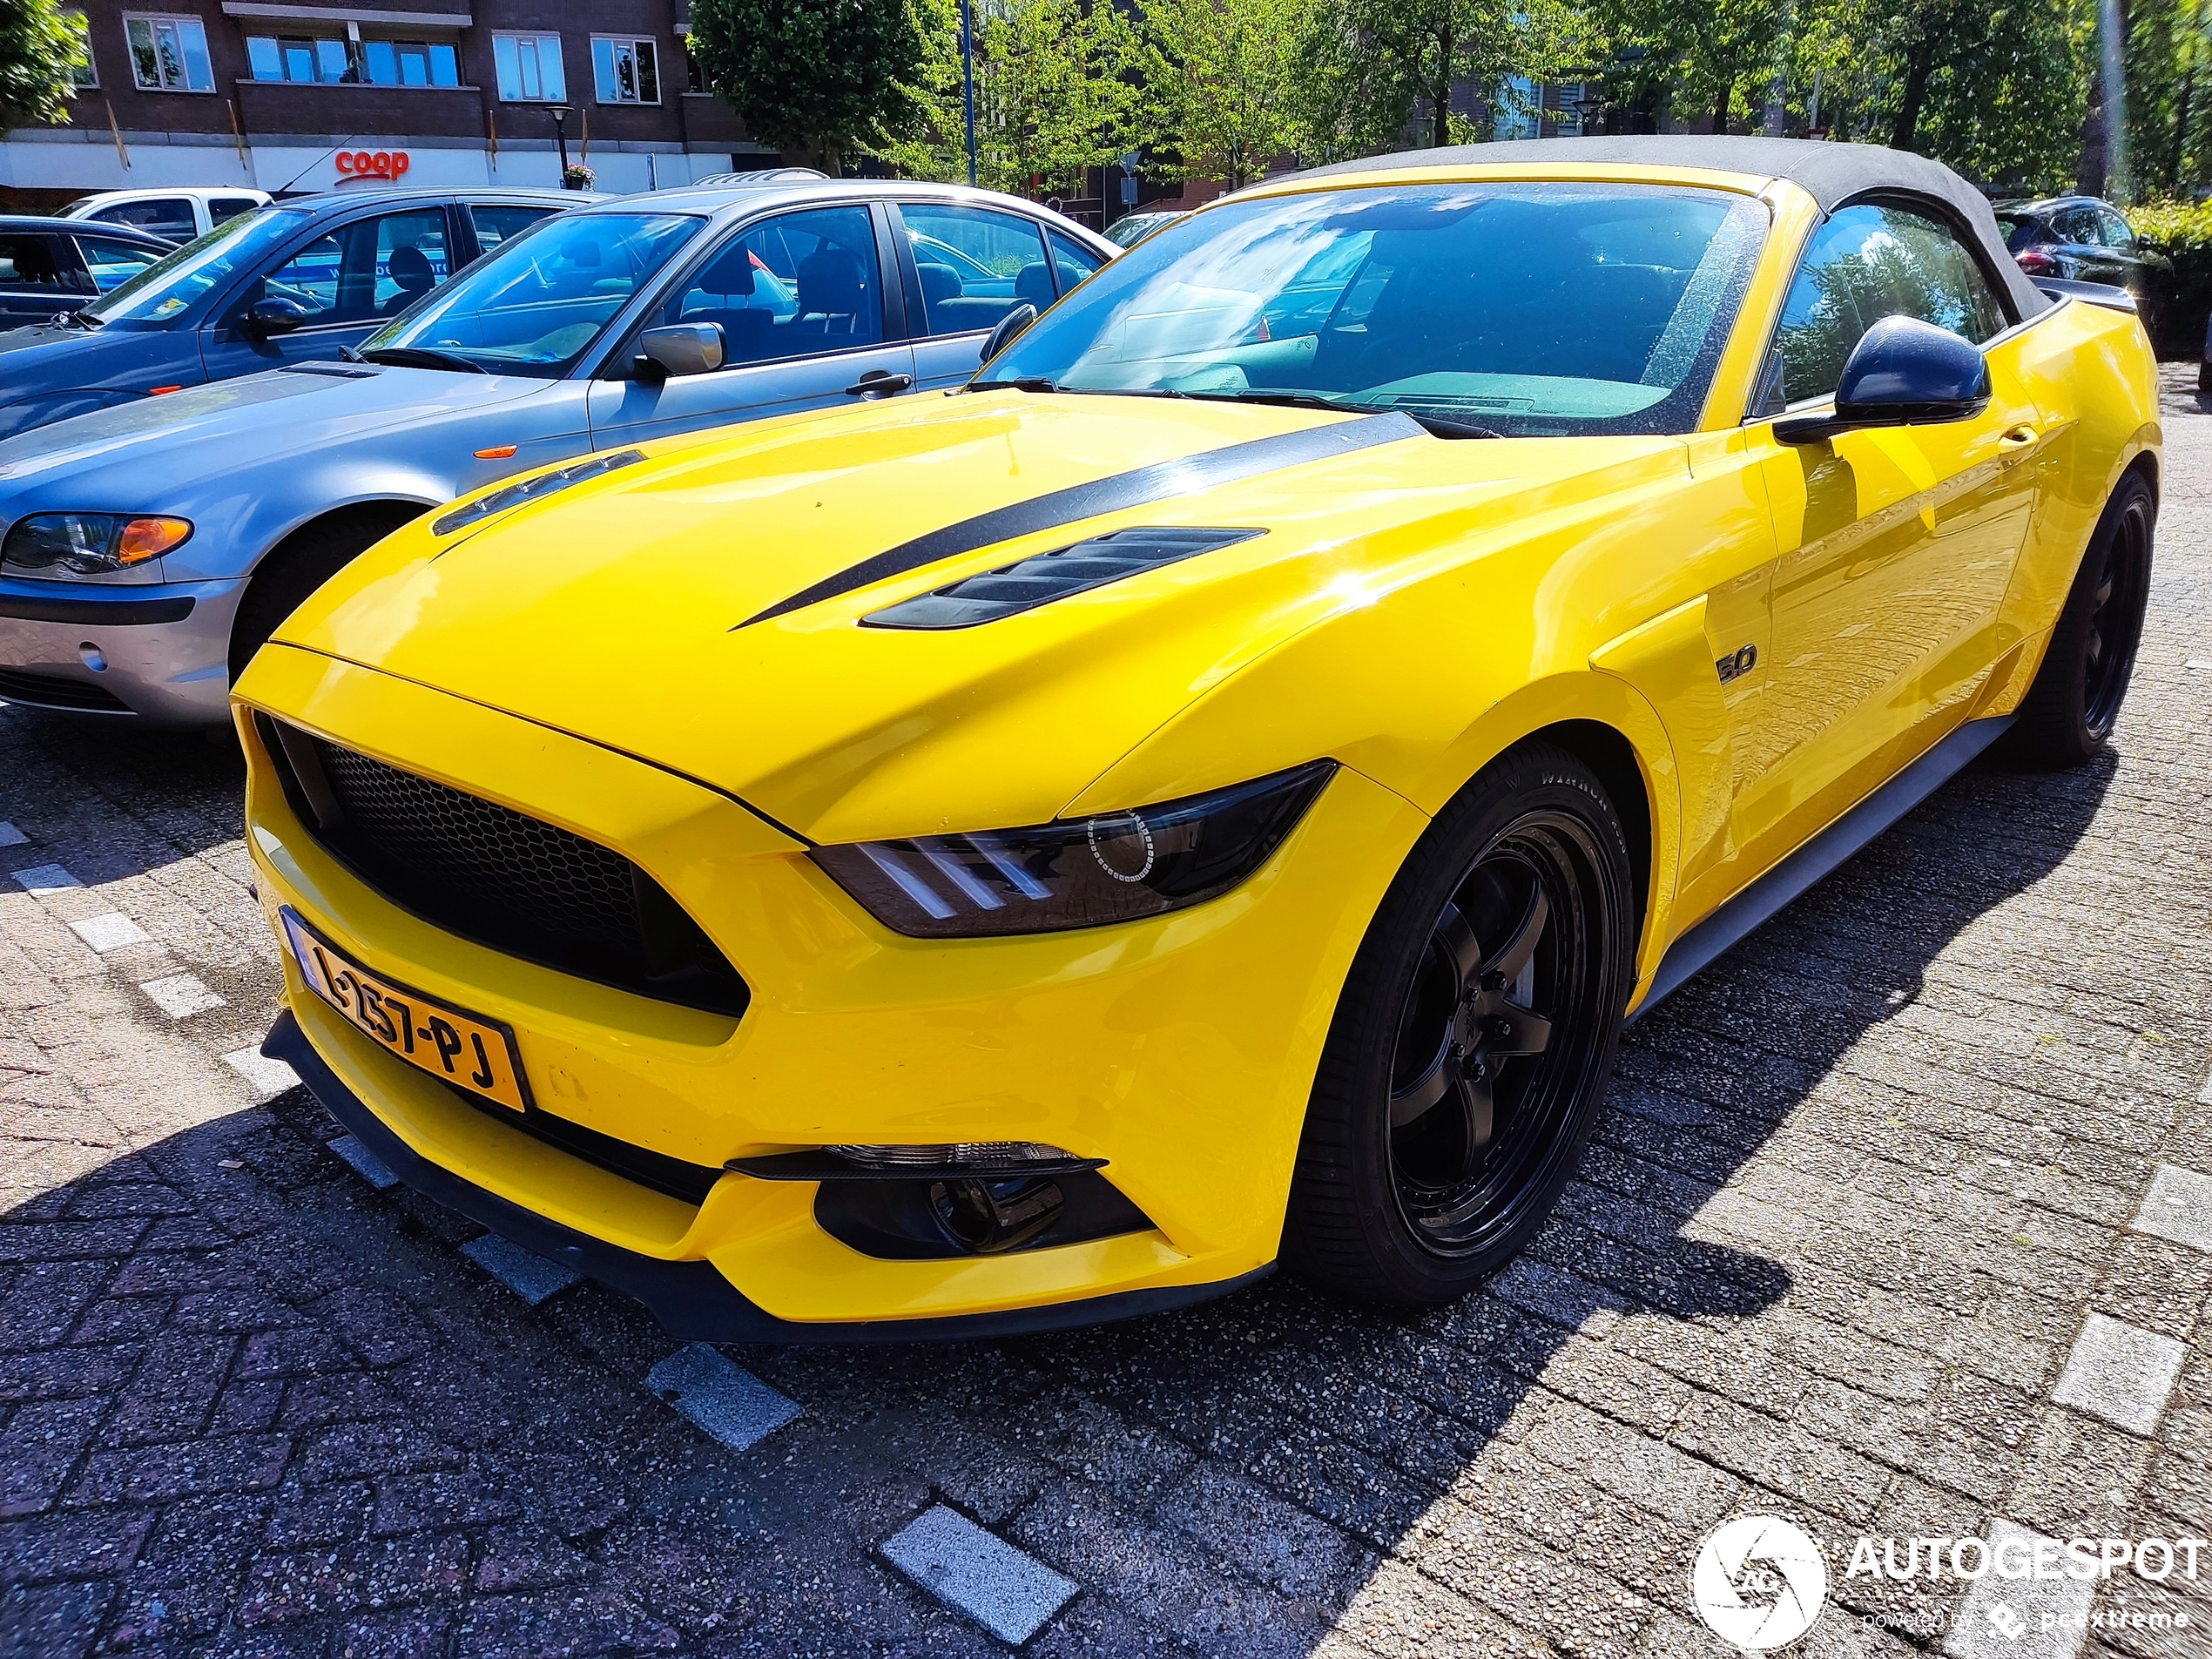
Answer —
(477, 1053)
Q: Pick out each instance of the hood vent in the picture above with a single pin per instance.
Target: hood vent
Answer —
(1047, 577)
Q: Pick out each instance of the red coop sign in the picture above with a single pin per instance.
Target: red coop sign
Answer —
(371, 163)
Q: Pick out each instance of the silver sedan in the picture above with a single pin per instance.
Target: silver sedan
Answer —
(147, 551)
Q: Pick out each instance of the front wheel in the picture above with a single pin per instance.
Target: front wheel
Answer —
(1467, 1061)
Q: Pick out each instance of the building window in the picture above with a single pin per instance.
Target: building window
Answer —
(332, 62)
(170, 54)
(625, 70)
(694, 76)
(530, 68)
(82, 72)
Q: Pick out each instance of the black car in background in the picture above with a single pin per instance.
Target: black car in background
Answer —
(49, 267)
(2083, 240)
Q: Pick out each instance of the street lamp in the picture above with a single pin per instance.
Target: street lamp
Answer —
(560, 114)
(967, 79)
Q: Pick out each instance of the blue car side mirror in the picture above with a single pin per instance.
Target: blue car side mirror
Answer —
(273, 316)
(1903, 371)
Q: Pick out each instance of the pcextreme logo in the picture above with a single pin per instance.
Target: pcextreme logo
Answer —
(1758, 1583)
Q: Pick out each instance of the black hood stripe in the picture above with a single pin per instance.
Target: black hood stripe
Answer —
(1078, 502)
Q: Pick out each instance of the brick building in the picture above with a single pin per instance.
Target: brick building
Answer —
(289, 97)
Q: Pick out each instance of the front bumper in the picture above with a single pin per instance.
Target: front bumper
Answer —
(693, 1302)
(165, 646)
(1180, 1051)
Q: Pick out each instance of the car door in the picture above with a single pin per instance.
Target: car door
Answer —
(805, 319)
(2083, 239)
(346, 281)
(40, 275)
(1898, 545)
(966, 268)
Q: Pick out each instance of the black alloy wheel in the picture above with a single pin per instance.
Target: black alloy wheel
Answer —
(2070, 709)
(2118, 588)
(1469, 1056)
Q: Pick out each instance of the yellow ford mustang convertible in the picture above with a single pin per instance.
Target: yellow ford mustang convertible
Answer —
(1211, 791)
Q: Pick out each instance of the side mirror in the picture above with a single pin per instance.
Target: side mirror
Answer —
(273, 316)
(1903, 371)
(679, 348)
(1009, 328)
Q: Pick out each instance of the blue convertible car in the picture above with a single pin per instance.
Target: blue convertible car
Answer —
(286, 284)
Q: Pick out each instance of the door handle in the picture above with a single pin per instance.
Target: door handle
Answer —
(2018, 438)
(878, 382)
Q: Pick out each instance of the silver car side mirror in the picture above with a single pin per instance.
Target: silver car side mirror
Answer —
(680, 348)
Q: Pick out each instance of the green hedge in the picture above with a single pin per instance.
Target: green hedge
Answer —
(2179, 306)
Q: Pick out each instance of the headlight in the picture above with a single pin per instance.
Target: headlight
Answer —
(530, 489)
(1077, 872)
(67, 544)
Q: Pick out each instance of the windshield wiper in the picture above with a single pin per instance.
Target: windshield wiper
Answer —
(421, 357)
(1024, 383)
(1439, 426)
(77, 320)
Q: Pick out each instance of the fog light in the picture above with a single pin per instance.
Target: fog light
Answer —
(987, 1217)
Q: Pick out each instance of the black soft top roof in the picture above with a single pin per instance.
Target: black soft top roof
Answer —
(1831, 173)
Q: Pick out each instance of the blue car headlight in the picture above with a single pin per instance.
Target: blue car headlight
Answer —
(1076, 872)
(88, 544)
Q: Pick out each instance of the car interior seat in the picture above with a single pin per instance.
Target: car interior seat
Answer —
(716, 296)
(410, 267)
(832, 291)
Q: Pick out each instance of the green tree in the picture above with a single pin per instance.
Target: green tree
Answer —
(818, 76)
(1225, 80)
(1055, 96)
(2169, 64)
(1384, 71)
(41, 47)
(1718, 55)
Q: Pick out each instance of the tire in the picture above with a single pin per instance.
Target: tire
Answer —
(302, 563)
(2068, 715)
(1448, 1033)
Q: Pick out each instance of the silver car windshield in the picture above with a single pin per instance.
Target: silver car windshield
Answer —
(1528, 310)
(536, 304)
(168, 288)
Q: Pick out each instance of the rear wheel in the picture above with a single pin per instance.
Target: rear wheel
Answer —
(302, 563)
(2069, 712)
(1469, 1054)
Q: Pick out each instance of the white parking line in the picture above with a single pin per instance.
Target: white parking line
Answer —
(180, 995)
(111, 932)
(9, 835)
(528, 1275)
(45, 877)
(2179, 1207)
(269, 1076)
(2020, 1618)
(1008, 1593)
(2121, 1374)
(365, 1163)
(724, 1398)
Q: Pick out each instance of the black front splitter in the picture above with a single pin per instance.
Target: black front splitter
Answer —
(693, 1302)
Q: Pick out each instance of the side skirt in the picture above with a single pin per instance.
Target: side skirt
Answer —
(1697, 949)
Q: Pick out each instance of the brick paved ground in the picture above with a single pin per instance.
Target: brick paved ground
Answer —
(1859, 1190)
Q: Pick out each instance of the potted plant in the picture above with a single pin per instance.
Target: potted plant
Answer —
(577, 176)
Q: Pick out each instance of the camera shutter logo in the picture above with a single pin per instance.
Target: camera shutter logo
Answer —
(1758, 1583)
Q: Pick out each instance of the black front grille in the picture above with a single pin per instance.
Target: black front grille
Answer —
(56, 691)
(500, 877)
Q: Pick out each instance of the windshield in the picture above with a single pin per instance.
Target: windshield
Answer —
(168, 288)
(536, 304)
(1534, 310)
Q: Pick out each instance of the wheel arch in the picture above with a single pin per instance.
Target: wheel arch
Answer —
(380, 513)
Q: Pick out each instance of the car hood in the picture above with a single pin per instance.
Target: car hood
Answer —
(629, 611)
(42, 358)
(207, 433)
